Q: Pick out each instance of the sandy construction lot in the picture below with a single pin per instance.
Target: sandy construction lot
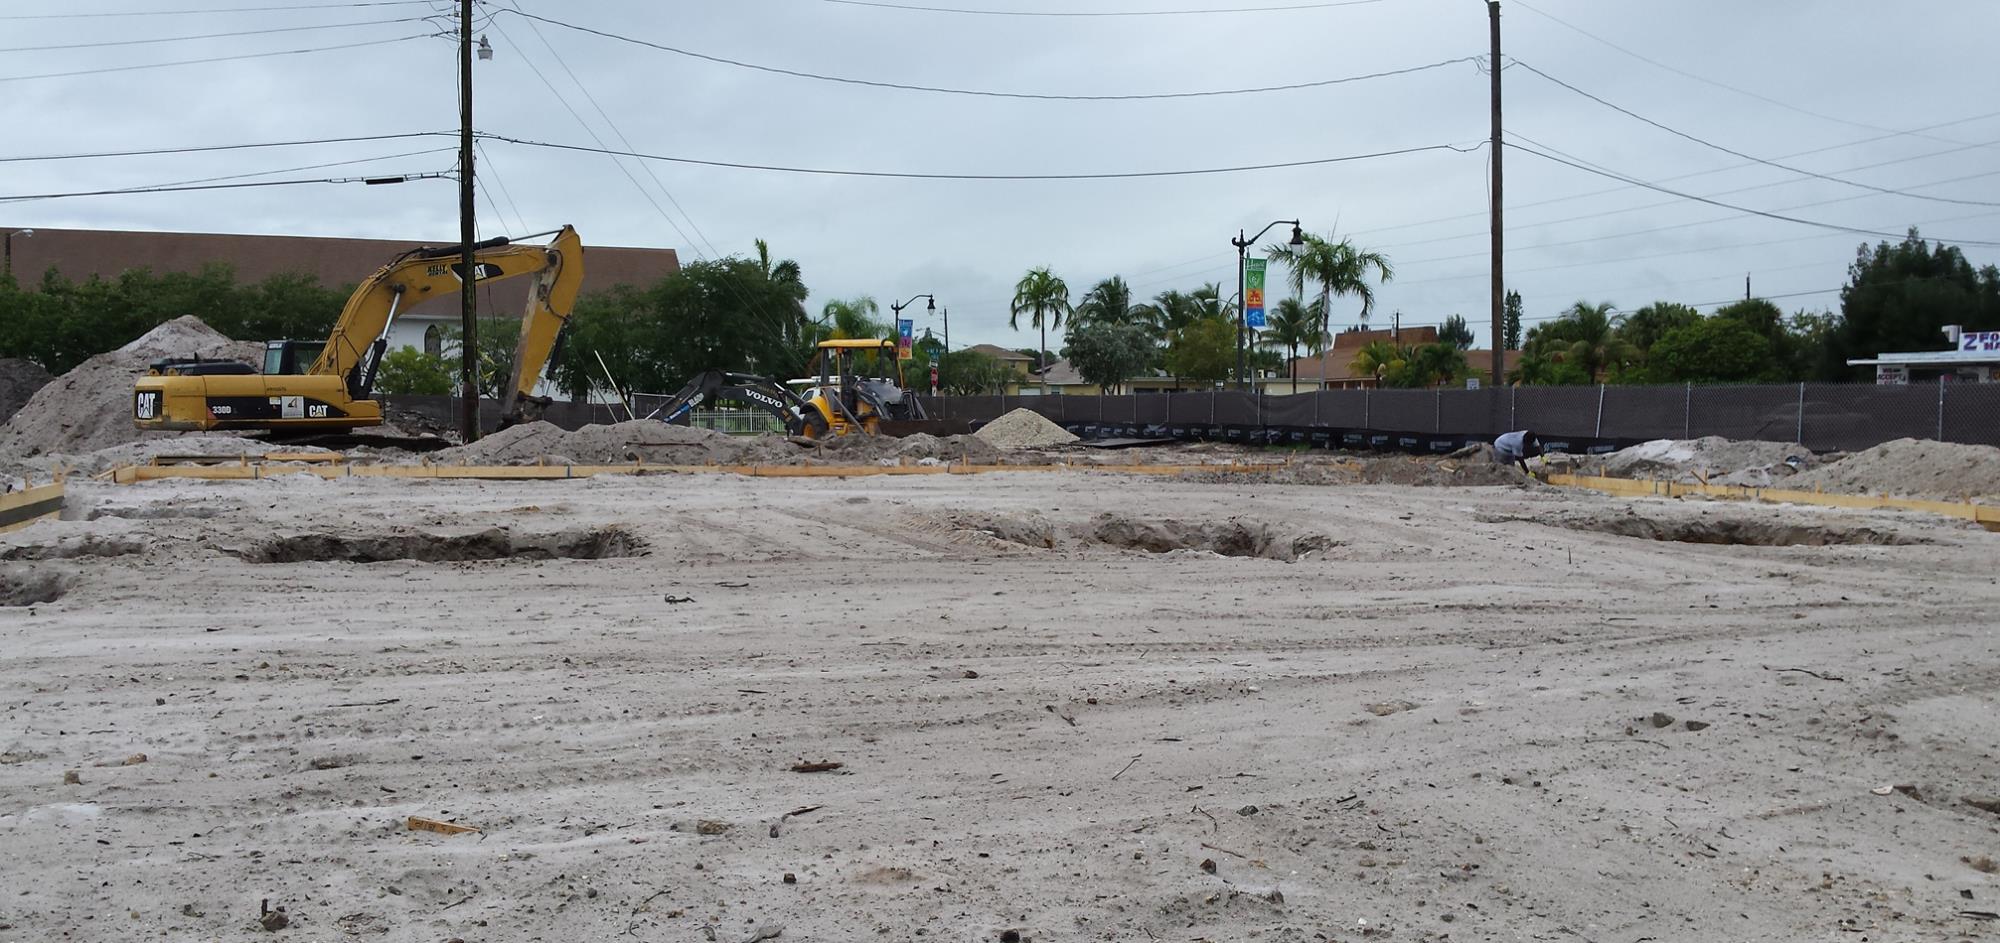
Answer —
(1346, 713)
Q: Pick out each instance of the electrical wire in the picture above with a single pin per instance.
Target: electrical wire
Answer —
(1705, 80)
(1732, 206)
(235, 58)
(293, 170)
(383, 179)
(1686, 176)
(987, 93)
(205, 148)
(1117, 175)
(283, 9)
(1105, 13)
(494, 171)
(1736, 153)
(183, 39)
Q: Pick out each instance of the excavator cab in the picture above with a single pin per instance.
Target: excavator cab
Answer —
(291, 358)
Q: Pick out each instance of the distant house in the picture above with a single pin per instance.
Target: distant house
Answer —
(1016, 361)
(81, 253)
(1335, 368)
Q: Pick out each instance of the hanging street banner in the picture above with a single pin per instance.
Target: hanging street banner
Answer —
(905, 337)
(1253, 292)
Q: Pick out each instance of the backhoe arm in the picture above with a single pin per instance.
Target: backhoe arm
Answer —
(743, 387)
(544, 323)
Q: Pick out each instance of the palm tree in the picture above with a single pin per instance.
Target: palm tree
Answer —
(1209, 302)
(852, 319)
(785, 276)
(1379, 357)
(1046, 297)
(1294, 324)
(1587, 335)
(1338, 268)
(1109, 302)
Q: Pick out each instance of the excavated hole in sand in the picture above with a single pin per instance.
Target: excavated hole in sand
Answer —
(1737, 531)
(74, 548)
(491, 544)
(1234, 538)
(30, 587)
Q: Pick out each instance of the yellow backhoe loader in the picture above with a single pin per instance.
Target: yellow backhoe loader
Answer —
(325, 386)
(840, 402)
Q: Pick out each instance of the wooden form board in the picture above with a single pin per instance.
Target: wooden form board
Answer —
(1987, 516)
(135, 473)
(22, 508)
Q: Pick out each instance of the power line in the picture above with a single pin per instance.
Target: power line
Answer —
(202, 148)
(1648, 206)
(283, 9)
(183, 39)
(235, 58)
(493, 171)
(987, 93)
(1120, 175)
(1732, 206)
(386, 179)
(292, 170)
(1731, 151)
(1705, 80)
(1068, 13)
(1686, 176)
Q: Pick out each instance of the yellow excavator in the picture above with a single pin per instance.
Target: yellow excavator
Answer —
(325, 386)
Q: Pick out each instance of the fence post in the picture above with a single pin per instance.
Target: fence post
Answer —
(1437, 411)
(1513, 408)
(1367, 398)
(1599, 434)
(1316, 398)
(1801, 439)
(1687, 413)
(1211, 407)
(1940, 416)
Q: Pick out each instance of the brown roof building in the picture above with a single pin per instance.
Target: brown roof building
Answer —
(1336, 366)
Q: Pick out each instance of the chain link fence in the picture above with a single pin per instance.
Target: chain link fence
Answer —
(1821, 416)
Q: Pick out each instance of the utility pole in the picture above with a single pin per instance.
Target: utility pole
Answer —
(1746, 286)
(468, 274)
(1499, 275)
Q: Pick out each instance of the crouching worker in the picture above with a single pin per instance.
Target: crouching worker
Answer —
(1517, 447)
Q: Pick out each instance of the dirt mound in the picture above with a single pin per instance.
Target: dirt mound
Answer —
(1911, 468)
(1023, 429)
(657, 443)
(90, 407)
(19, 379)
(1711, 458)
(1233, 537)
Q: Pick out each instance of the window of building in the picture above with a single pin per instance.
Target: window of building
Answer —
(434, 341)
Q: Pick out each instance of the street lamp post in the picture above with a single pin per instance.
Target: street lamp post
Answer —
(896, 312)
(7, 268)
(1243, 296)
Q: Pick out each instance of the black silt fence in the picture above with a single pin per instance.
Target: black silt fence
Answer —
(1822, 417)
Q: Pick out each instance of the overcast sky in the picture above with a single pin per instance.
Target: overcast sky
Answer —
(1818, 76)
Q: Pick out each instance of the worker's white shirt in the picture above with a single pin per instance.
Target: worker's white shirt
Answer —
(1511, 446)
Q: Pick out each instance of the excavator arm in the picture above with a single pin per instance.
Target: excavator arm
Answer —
(355, 348)
(742, 387)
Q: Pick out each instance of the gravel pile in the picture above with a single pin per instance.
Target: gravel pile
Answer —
(1023, 429)
(19, 379)
(1912, 468)
(90, 407)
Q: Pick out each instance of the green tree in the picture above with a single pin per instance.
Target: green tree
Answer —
(1337, 268)
(1586, 336)
(1045, 298)
(1795, 348)
(1712, 350)
(1110, 302)
(1456, 333)
(411, 372)
(1107, 353)
(1511, 320)
(1900, 296)
(1428, 365)
(1378, 358)
(1644, 327)
(1203, 352)
(971, 373)
(1293, 325)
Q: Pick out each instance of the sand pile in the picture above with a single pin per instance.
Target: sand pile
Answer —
(19, 379)
(1023, 429)
(1912, 468)
(657, 443)
(90, 407)
(1710, 458)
